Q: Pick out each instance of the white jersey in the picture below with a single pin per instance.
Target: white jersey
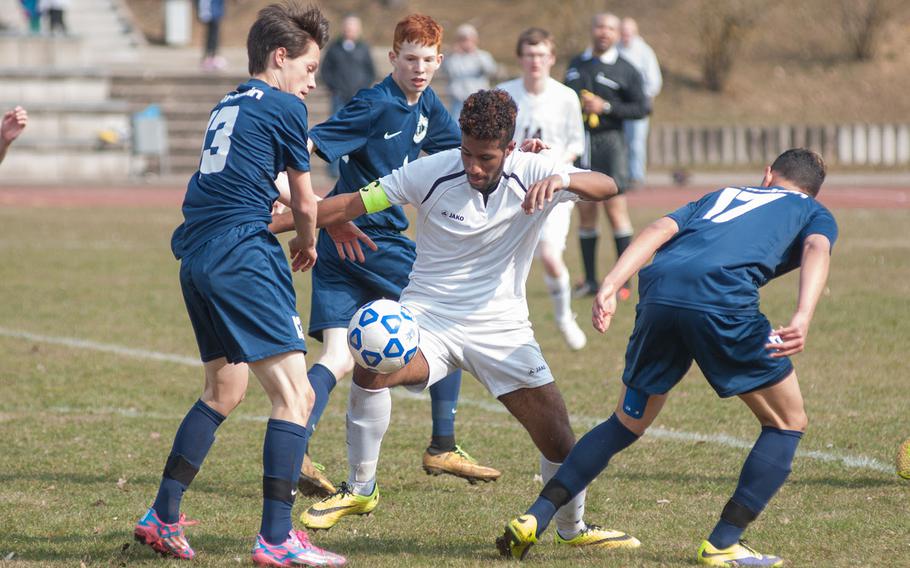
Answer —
(474, 251)
(554, 116)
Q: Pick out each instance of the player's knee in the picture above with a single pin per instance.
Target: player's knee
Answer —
(797, 421)
(223, 402)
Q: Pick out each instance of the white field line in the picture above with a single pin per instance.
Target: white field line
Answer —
(849, 461)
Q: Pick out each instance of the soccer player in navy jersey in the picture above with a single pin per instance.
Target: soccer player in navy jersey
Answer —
(379, 130)
(237, 283)
(699, 301)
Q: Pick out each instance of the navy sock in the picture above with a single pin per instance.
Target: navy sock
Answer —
(764, 472)
(323, 381)
(588, 241)
(444, 400)
(192, 442)
(282, 455)
(587, 459)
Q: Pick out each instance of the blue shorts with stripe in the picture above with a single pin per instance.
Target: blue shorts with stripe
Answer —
(340, 287)
(729, 349)
(240, 296)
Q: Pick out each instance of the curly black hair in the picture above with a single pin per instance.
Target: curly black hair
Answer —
(489, 115)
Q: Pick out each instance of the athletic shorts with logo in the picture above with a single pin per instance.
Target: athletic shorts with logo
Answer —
(729, 349)
(240, 297)
(504, 356)
(340, 287)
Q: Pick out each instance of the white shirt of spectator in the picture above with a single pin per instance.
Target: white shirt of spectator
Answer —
(473, 255)
(643, 58)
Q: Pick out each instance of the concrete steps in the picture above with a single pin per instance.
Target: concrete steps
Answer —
(186, 99)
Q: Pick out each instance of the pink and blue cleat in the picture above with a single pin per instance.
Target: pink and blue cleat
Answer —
(167, 539)
(297, 550)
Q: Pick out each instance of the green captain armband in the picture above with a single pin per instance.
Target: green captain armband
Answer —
(374, 197)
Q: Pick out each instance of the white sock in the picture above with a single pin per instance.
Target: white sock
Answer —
(369, 413)
(559, 292)
(570, 517)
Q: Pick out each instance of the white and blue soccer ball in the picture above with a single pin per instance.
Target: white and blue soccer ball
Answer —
(383, 336)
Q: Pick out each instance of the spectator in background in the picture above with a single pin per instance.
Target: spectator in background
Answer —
(346, 68)
(30, 8)
(642, 57)
(55, 10)
(210, 13)
(468, 68)
(13, 124)
(611, 92)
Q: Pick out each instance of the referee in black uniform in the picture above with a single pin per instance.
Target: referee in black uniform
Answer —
(611, 91)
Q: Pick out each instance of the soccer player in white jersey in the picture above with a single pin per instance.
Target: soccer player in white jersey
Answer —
(549, 110)
(479, 213)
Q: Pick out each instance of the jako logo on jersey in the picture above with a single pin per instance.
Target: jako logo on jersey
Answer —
(537, 370)
(421, 131)
(453, 216)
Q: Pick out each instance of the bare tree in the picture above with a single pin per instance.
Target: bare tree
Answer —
(863, 23)
(724, 27)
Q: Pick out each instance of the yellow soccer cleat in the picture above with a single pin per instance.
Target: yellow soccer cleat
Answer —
(737, 555)
(520, 535)
(460, 464)
(594, 536)
(326, 513)
(312, 482)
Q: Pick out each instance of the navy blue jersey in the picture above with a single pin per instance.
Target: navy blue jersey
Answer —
(377, 132)
(253, 134)
(730, 243)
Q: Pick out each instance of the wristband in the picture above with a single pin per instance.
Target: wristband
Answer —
(565, 179)
(374, 197)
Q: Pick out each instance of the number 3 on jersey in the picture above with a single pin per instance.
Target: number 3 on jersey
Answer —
(723, 212)
(217, 141)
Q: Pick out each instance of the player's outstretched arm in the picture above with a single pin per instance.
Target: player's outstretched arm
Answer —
(303, 208)
(591, 186)
(813, 274)
(637, 255)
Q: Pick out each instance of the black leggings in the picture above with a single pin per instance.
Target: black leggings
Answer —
(211, 38)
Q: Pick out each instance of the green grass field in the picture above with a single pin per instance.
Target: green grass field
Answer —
(86, 429)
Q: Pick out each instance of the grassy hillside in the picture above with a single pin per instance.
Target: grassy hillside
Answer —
(792, 65)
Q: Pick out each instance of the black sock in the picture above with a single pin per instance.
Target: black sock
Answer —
(588, 241)
(441, 445)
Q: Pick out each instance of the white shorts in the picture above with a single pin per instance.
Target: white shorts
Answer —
(556, 228)
(504, 358)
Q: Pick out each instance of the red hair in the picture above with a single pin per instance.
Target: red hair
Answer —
(419, 29)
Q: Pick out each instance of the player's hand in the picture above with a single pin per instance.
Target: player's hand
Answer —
(303, 254)
(347, 238)
(13, 124)
(278, 208)
(534, 145)
(604, 307)
(792, 337)
(541, 193)
(592, 104)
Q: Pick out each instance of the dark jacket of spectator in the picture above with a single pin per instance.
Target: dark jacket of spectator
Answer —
(347, 67)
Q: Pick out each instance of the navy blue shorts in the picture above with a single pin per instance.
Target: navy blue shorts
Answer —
(340, 287)
(240, 297)
(729, 350)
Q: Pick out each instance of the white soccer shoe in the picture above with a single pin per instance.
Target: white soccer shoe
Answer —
(574, 336)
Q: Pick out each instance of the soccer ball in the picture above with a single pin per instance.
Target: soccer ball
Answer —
(383, 336)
